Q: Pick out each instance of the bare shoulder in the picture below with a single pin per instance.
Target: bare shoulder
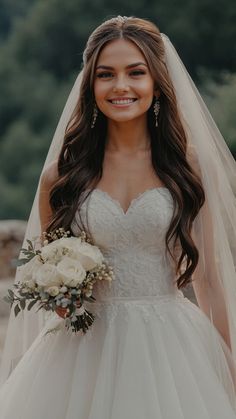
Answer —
(49, 175)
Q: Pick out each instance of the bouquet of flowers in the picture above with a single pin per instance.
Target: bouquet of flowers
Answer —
(61, 274)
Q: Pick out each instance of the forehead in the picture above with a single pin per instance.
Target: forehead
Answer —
(120, 51)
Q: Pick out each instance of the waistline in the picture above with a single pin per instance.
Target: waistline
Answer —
(141, 299)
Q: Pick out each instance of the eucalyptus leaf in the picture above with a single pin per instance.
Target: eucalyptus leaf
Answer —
(23, 249)
(11, 293)
(21, 262)
(22, 304)
(41, 306)
(31, 304)
(28, 252)
(54, 306)
(30, 243)
(17, 310)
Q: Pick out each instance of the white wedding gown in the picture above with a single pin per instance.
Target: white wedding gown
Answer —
(148, 354)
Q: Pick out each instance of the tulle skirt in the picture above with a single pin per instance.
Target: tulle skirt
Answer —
(148, 358)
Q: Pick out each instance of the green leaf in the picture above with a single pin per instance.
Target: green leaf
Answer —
(11, 293)
(31, 247)
(54, 306)
(22, 304)
(31, 304)
(17, 310)
(41, 306)
(28, 252)
(23, 249)
(22, 261)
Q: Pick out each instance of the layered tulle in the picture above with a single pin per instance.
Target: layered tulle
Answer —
(143, 358)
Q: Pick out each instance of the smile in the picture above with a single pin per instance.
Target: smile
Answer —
(122, 102)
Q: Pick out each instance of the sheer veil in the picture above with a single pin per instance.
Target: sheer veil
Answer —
(23, 329)
(214, 229)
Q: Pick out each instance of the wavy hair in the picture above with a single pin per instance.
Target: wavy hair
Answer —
(81, 157)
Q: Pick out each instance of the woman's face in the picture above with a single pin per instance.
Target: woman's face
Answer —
(123, 86)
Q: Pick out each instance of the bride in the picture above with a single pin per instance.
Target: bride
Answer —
(138, 163)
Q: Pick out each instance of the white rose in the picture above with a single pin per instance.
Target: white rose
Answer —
(29, 268)
(53, 291)
(69, 243)
(89, 255)
(54, 251)
(71, 271)
(47, 276)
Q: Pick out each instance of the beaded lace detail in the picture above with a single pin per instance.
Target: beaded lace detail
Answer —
(133, 242)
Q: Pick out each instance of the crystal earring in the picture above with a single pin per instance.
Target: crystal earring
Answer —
(156, 109)
(95, 114)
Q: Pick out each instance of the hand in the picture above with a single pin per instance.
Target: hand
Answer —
(62, 312)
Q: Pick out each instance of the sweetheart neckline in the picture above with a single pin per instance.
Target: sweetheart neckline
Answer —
(133, 201)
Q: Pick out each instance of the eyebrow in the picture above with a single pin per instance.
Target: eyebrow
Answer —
(107, 67)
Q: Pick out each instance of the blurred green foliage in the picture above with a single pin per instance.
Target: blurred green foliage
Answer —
(41, 47)
(221, 100)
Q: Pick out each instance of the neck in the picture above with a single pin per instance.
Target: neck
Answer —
(128, 137)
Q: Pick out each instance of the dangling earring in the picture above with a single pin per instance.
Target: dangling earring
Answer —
(95, 114)
(156, 109)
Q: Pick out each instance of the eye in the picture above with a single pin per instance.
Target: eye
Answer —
(137, 72)
(101, 75)
(107, 74)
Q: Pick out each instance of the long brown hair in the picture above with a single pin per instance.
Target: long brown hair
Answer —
(81, 157)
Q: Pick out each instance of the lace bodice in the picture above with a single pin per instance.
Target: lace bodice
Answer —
(133, 242)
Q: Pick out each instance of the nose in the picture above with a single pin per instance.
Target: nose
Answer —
(120, 84)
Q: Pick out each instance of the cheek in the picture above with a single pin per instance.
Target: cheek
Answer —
(100, 90)
(145, 88)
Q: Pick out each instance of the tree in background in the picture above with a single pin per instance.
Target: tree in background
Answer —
(41, 48)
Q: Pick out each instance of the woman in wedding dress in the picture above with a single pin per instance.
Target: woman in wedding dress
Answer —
(136, 176)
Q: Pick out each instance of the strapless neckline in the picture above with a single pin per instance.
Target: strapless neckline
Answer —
(106, 195)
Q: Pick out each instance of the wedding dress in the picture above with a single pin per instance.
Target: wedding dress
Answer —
(148, 353)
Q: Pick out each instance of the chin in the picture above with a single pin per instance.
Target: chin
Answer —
(122, 120)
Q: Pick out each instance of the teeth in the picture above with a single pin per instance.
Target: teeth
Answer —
(122, 101)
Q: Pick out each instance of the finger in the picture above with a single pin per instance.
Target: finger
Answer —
(61, 312)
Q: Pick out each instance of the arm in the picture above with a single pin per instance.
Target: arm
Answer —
(48, 179)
